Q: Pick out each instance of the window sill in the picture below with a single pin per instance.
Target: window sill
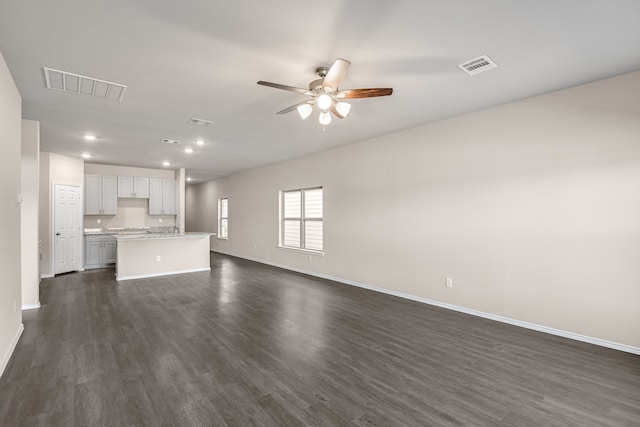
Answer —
(304, 251)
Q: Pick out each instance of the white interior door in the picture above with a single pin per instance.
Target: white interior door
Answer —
(67, 219)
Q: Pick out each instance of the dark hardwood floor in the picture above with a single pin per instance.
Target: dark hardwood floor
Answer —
(252, 345)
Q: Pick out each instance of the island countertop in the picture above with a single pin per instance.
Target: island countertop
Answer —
(145, 236)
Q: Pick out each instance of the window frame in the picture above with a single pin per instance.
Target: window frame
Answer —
(221, 218)
(302, 219)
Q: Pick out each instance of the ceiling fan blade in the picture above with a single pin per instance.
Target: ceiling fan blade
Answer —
(293, 107)
(364, 93)
(336, 74)
(284, 87)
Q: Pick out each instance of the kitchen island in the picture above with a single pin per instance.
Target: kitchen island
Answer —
(160, 254)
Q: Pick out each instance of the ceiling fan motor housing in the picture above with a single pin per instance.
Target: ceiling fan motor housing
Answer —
(322, 71)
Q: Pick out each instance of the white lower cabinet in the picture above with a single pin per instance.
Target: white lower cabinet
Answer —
(99, 251)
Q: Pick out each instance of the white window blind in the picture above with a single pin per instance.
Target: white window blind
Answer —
(223, 218)
(302, 219)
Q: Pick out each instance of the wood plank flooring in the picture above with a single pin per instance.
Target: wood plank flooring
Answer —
(252, 345)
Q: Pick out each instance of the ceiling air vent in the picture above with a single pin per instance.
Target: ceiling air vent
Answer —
(200, 122)
(478, 65)
(83, 85)
(170, 141)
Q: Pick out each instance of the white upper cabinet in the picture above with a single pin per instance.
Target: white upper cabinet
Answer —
(162, 196)
(133, 186)
(101, 197)
(169, 196)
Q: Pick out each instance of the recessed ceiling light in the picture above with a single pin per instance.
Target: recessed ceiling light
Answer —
(200, 122)
(165, 163)
(188, 178)
(199, 142)
(86, 155)
(188, 150)
(88, 137)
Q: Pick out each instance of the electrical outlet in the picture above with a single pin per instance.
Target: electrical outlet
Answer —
(255, 247)
(449, 282)
(158, 258)
(99, 221)
(159, 220)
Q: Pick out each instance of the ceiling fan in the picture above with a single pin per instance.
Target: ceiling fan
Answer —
(325, 94)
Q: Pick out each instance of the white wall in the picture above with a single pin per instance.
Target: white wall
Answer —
(201, 209)
(10, 294)
(29, 214)
(181, 180)
(129, 171)
(54, 169)
(44, 222)
(131, 213)
(531, 207)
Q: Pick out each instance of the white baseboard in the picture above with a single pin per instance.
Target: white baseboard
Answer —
(515, 322)
(7, 355)
(31, 306)
(47, 276)
(168, 273)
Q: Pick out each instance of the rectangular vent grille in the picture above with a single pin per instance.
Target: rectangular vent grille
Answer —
(478, 65)
(83, 85)
(170, 141)
(200, 122)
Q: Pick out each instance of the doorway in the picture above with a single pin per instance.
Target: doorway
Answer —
(67, 229)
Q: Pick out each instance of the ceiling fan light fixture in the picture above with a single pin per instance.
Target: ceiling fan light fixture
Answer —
(324, 101)
(343, 108)
(304, 110)
(325, 118)
(326, 94)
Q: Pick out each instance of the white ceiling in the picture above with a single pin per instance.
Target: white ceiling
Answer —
(202, 58)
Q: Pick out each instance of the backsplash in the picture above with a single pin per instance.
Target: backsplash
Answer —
(132, 213)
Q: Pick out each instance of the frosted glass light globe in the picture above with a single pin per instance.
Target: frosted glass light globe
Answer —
(324, 102)
(343, 108)
(304, 110)
(325, 118)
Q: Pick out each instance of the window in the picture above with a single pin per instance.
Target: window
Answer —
(301, 219)
(223, 218)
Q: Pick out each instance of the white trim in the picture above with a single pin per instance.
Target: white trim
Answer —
(7, 355)
(304, 251)
(497, 318)
(168, 273)
(302, 219)
(47, 276)
(31, 306)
